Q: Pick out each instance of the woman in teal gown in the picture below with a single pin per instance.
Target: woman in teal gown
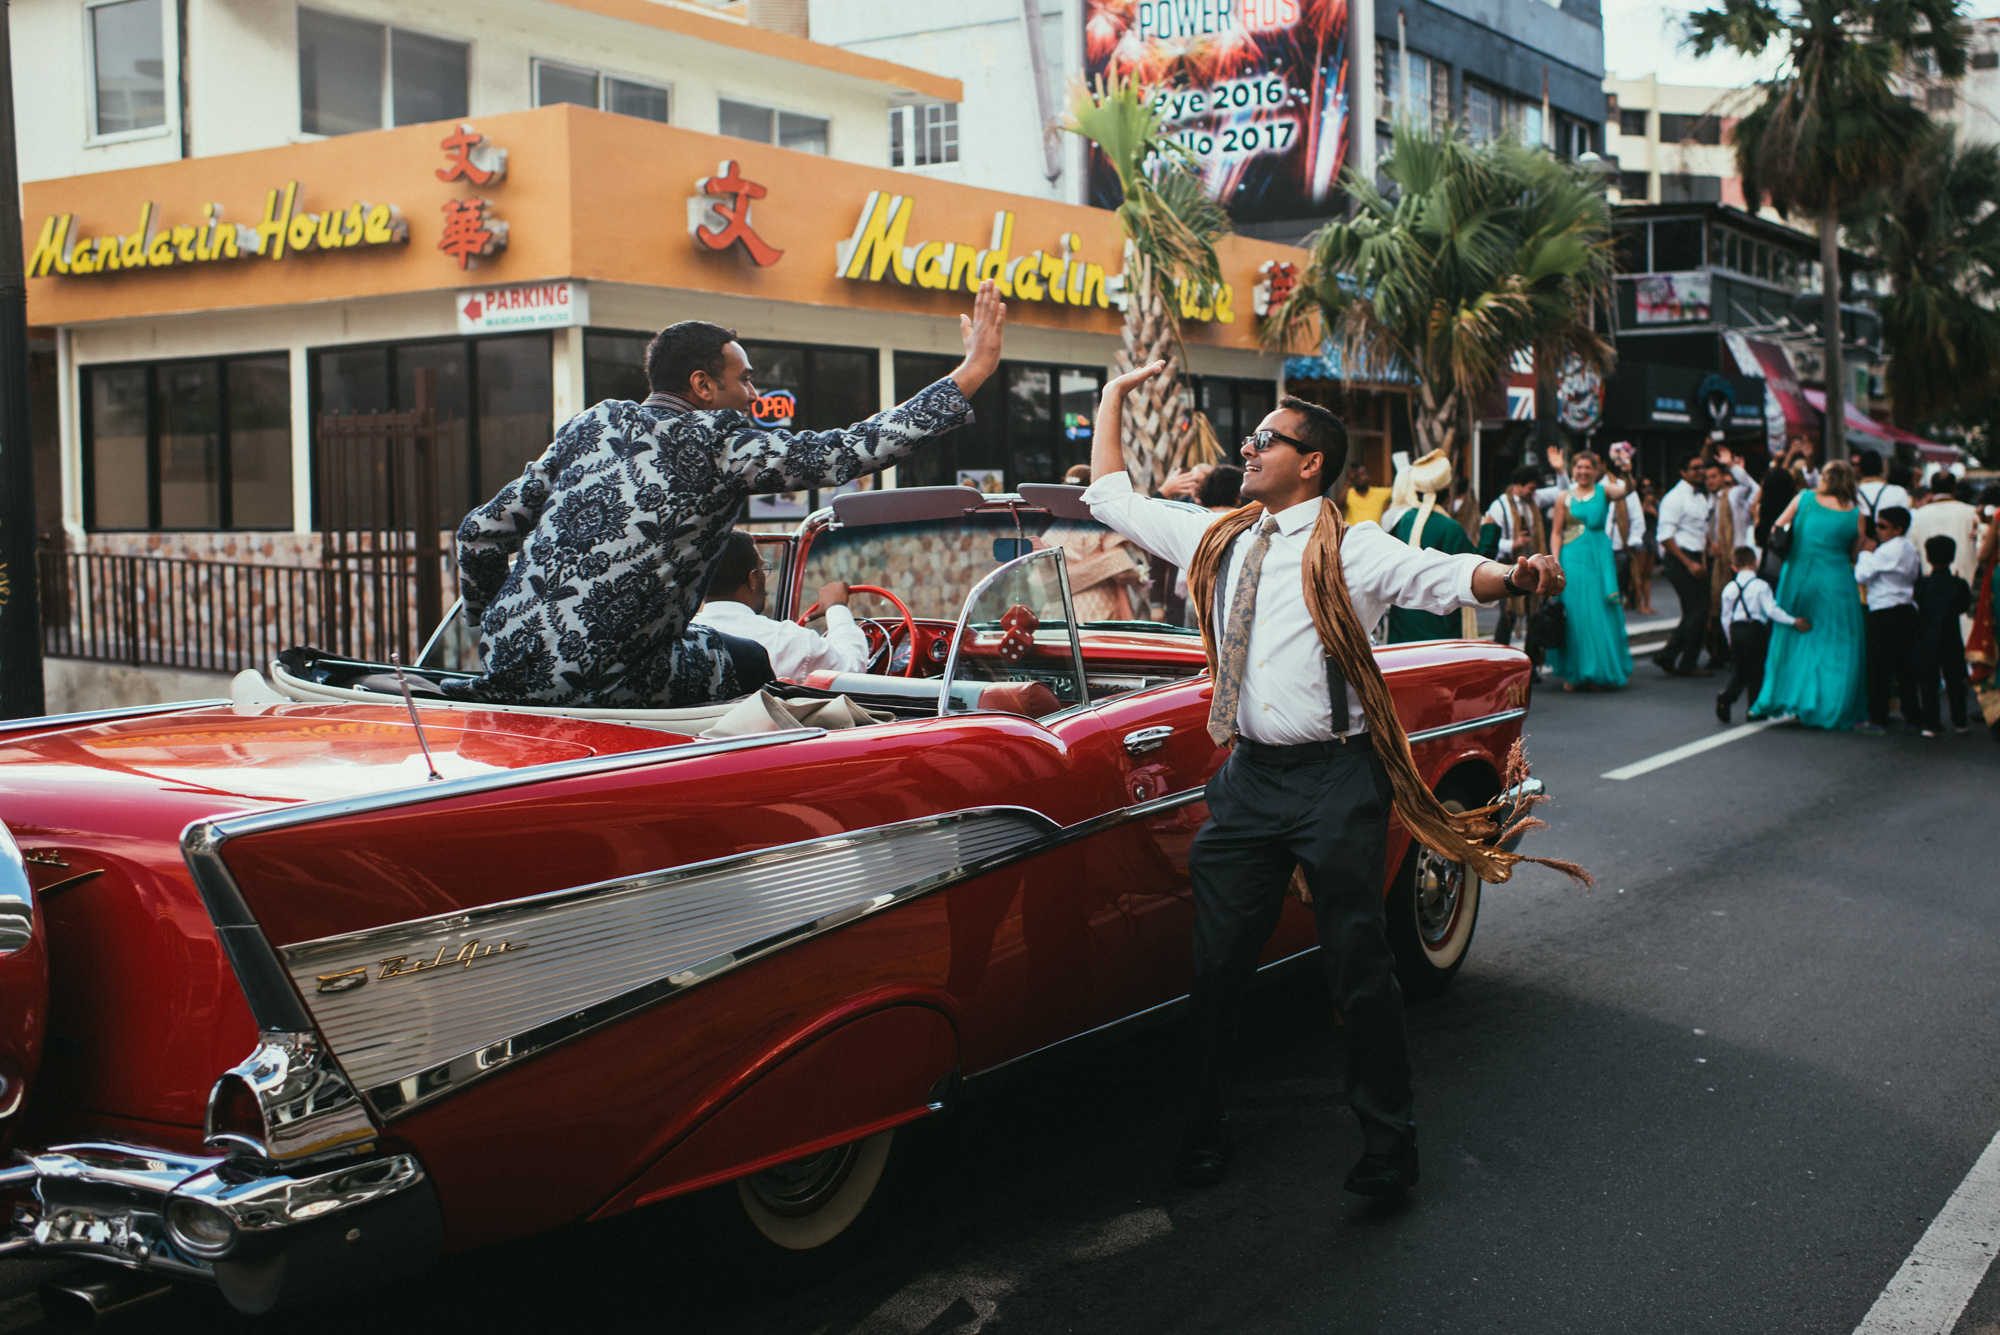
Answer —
(1595, 653)
(1822, 680)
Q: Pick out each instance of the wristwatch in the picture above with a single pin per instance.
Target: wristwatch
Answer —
(1508, 580)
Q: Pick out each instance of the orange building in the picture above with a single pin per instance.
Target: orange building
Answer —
(208, 314)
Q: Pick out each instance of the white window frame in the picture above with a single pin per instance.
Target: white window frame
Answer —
(389, 31)
(604, 77)
(775, 109)
(170, 49)
(907, 113)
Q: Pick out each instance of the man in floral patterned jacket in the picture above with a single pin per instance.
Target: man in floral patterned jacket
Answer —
(620, 522)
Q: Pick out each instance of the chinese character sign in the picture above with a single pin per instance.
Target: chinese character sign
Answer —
(468, 232)
(468, 157)
(719, 214)
(1256, 89)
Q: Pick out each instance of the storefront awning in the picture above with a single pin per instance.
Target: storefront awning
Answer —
(1889, 436)
(1759, 357)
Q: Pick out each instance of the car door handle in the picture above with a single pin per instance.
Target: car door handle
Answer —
(1146, 739)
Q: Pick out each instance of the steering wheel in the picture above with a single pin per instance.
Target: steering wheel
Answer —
(909, 622)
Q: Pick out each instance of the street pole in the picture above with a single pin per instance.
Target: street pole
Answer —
(20, 620)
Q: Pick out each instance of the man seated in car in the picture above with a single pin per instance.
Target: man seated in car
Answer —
(619, 524)
(737, 594)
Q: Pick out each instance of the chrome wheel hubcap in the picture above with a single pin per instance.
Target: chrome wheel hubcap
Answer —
(804, 1185)
(1440, 885)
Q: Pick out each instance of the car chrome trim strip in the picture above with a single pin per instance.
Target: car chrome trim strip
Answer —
(1470, 725)
(17, 897)
(437, 1002)
(309, 1109)
(47, 721)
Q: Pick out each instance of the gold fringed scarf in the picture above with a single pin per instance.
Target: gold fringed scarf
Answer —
(1459, 838)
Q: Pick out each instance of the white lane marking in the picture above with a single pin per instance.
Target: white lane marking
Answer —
(1638, 647)
(1930, 1292)
(1665, 758)
(1647, 627)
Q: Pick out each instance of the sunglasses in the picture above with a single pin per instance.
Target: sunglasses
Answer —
(1257, 442)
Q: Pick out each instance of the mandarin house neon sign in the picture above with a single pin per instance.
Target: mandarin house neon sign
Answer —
(878, 251)
(61, 248)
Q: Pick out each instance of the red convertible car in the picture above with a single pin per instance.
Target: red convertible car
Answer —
(288, 981)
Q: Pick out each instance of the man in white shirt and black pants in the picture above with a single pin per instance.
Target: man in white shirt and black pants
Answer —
(1748, 609)
(1304, 785)
(1888, 568)
(738, 592)
(1683, 536)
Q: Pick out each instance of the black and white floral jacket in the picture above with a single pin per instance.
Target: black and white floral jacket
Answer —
(618, 526)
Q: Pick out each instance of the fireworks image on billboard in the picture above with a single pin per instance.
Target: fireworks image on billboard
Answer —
(1255, 89)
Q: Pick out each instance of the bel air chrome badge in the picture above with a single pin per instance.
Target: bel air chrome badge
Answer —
(402, 966)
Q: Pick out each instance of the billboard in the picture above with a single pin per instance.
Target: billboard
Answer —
(1256, 89)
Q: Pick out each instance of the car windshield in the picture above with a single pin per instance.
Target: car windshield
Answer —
(933, 564)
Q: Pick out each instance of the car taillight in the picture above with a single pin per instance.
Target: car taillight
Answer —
(234, 1118)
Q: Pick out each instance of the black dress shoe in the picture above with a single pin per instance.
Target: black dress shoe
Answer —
(1722, 708)
(1667, 665)
(1203, 1158)
(1382, 1175)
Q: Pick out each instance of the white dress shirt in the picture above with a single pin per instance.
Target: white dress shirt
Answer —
(1501, 512)
(1284, 700)
(1889, 573)
(794, 650)
(1635, 523)
(1749, 598)
(1684, 515)
(1953, 519)
(1876, 496)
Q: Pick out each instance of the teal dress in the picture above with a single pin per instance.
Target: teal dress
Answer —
(1820, 675)
(1595, 651)
(1442, 533)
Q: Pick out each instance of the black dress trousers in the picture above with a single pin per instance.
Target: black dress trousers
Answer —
(1684, 647)
(1324, 807)
(1749, 646)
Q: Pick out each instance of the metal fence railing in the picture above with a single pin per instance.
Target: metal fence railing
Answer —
(220, 616)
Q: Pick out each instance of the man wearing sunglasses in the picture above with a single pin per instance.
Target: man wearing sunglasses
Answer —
(1307, 785)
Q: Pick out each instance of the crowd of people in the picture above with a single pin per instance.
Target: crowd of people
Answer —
(1845, 596)
(1850, 596)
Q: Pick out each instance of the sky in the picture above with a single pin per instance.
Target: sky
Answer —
(1643, 37)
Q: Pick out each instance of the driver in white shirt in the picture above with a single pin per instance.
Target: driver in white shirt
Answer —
(738, 592)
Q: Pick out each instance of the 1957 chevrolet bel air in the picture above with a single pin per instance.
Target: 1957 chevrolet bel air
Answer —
(287, 981)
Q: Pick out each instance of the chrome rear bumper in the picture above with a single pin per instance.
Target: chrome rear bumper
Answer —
(264, 1236)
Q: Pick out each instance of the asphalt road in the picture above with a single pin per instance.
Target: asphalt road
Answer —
(1727, 1091)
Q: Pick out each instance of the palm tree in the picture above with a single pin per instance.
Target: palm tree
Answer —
(1832, 127)
(1935, 230)
(1171, 224)
(1477, 252)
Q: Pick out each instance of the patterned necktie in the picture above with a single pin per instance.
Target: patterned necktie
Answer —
(1234, 653)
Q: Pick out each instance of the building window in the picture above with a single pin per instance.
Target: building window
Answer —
(1681, 188)
(588, 88)
(1677, 244)
(1490, 113)
(1632, 186)
(1678, 129)
(1234, 408)
(923, 136)
(198, 445)
(1986, 60)
(1940, 99)
(1632, 123)
(1429, 95)
(128, 56)
(494, 397)
(1031, 423)
(356, 76)
(765, 125)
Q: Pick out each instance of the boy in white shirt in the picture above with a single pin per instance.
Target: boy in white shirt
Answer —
(1748, 609)
(737, 597)
(1888, 568)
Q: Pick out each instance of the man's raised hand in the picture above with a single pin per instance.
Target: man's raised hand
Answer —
(981, 331)
(1107, 451)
